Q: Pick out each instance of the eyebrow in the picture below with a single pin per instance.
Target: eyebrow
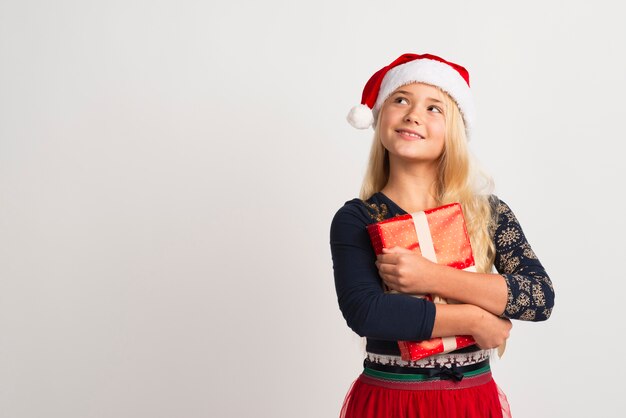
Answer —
(432, 99)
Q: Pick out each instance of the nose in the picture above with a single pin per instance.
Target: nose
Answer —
(413, 116)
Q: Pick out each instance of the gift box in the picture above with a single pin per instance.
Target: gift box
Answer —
(440, 235)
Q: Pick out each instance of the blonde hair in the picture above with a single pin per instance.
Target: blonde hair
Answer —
(459, 180)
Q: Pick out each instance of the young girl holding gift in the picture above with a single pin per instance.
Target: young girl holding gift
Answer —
(422, 112)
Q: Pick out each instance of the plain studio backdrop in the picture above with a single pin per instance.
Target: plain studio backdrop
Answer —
(169, 171)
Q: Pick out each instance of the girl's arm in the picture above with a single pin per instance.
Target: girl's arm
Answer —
(530, 294)
(370, 312)
(523, 290)
(488, 330)
(485, 290)
(367, 309)
(409, 272)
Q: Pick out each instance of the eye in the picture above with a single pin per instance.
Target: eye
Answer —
(435, 109)
(400, 100)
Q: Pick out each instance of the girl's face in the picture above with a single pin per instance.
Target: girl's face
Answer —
(412, 125)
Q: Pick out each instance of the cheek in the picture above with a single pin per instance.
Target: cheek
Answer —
(384, 125)
(386, 118)
(439, 129)
(382, 138)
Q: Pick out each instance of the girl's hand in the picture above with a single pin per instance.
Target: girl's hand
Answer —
(406, 271)
(490, 331)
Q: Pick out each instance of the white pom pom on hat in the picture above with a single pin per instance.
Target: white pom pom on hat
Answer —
(361, 117)
(413, 68)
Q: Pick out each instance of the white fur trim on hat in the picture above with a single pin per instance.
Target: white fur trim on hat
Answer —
(431, 72)
(360, 117)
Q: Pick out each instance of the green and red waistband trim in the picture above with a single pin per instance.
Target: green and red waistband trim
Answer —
(432, 378)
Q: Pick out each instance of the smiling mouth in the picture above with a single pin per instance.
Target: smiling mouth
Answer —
(409, 134)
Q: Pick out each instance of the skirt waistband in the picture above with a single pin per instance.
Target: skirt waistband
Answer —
(437, 378)
(453, 372)
(379, 379)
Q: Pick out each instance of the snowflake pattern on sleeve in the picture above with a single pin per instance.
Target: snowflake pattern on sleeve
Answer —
(530, 291)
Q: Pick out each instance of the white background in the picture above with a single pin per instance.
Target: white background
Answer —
(169, 171)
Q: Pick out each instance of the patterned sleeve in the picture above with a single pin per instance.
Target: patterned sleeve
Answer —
(530, 291)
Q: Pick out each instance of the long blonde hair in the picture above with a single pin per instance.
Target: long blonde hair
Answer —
(459, 180)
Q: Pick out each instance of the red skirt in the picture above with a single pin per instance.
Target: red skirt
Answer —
(376, 394)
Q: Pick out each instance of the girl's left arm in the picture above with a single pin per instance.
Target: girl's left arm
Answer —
(522, 289)
(530, 293)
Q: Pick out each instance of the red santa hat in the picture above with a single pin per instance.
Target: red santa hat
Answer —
(412, 68)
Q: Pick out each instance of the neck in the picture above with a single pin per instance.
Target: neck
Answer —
(412, 185)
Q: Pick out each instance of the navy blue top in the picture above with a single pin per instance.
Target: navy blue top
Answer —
(385, 318)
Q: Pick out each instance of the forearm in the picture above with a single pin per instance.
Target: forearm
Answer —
(488, 330)
(455, 319)
(487, 291)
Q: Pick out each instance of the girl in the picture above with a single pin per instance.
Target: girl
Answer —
(422, 112)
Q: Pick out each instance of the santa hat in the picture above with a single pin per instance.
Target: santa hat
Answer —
(412, 68)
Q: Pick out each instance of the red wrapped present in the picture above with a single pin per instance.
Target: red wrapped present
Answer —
(440, 235)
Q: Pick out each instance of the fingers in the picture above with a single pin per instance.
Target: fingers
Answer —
(388, 257)
(386, 270)
(493, 332)
(396, 249)
(395, 254)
